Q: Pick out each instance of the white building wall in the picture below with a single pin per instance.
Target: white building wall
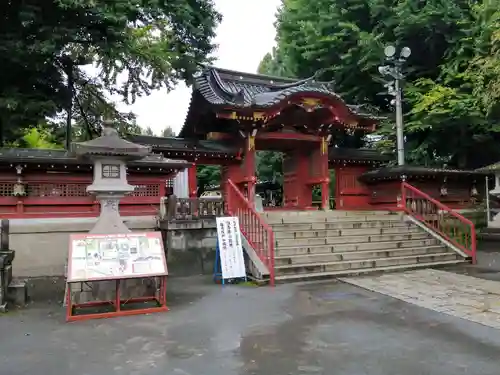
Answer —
(181, 187)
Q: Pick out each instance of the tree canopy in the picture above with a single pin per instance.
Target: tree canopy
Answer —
(135, 46)
(452, 88)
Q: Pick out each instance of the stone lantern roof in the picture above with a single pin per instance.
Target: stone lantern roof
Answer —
(111, 145)
(492, 168)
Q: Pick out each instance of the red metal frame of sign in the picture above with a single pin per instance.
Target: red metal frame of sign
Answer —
(118, 303)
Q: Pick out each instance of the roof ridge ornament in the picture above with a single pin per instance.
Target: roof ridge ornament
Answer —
(313, 79)
(295, 84)
(108, 129)
(237, 98)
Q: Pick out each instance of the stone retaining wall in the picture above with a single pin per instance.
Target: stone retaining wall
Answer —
(41, 245)
(190, 246)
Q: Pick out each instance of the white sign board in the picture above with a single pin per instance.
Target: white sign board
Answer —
(232, 263)
(115, 256)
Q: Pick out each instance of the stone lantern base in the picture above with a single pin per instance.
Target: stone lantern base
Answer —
(109, 220)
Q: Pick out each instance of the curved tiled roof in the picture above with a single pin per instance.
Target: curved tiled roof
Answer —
(365, 154)
(391, 173)
(180, 144)
(64, 157)
(225, 87)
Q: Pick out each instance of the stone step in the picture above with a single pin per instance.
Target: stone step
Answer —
(279, 235)
(359, 264)
(317, 213)
(343, 247)
(359, 225)
(347, 272)
(328, 219)
(356, 255)
(339, 245)
(336, 238)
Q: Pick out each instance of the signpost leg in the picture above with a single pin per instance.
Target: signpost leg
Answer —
(69, 305)
(163, 291)
(217, 265)
(117, 296)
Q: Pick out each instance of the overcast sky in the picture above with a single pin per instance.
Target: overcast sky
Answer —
(245, 35)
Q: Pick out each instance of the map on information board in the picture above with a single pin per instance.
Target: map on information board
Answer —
(115, 256)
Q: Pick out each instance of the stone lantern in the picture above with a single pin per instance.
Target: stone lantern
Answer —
(110, 153)
(493, 169)
(495, 222)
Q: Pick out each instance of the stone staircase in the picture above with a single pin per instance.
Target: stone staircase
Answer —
(311, 244)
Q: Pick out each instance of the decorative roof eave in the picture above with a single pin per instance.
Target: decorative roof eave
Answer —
(63, 157)
(110, 144)
(395, 173)
(216, 92)
(217, 83)
(181, 146)
(348, 162)
(235, 95)
(356, 156)
(259, 185)
(366, 112)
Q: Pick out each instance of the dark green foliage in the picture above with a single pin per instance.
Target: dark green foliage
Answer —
(136, 45)
(208, 176)
(452, 88)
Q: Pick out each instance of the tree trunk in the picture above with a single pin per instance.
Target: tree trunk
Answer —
(69, 111)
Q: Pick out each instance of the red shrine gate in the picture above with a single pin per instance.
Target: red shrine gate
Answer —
(254, 112)
(305, 166)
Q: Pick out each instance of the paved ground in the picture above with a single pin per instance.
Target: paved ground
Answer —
(319, 328)
(488, 262)
(467, 297)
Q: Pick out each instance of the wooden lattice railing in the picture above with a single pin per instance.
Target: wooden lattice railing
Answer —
(439, 218)
(256, 231)
(192, 208)
(61, 195)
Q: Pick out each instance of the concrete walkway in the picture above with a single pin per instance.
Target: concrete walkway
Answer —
(467, 297)
(328, 328)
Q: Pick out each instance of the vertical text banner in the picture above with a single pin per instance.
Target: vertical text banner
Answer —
(230, 250)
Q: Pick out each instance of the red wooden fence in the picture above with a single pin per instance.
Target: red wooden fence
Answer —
(63, 195)
(440, 218)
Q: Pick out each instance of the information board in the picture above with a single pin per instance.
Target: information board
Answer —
(232, 263)
(115, 256)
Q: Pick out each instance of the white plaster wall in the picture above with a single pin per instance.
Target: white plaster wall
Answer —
(181, 185)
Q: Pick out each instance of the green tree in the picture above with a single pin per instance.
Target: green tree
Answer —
(486, 67)
(273, 65)
(168, 132)
(148, 131)
(136, 46)
(36, 137)
(269, 165)
(450, 115)
(207, 175)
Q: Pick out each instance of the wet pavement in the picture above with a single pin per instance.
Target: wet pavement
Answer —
(466, 297)
(294, 329)
(488, 263)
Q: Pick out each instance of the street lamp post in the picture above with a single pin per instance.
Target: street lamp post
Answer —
(394, 70)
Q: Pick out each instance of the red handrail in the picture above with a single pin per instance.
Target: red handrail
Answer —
(440, 218)
(257, 232)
